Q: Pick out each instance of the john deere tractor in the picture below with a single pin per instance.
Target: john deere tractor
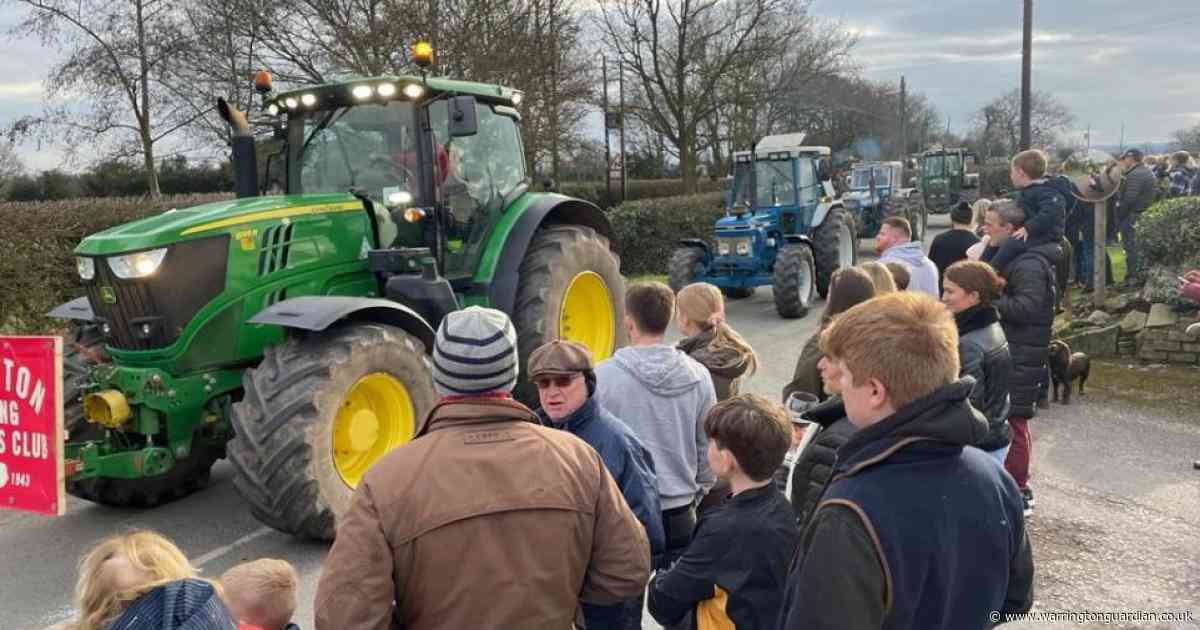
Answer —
(292, 331)
(875, 194)
(945, 179)
(782, 228)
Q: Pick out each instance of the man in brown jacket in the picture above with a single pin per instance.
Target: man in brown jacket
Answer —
(485, 519)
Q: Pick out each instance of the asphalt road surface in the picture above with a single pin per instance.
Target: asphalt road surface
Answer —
(1115, 529)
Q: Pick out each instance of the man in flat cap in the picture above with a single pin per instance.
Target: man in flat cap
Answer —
(566, 381)
(486, 519)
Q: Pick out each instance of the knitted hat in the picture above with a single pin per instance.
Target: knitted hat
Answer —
(962, 214)
(475, 353)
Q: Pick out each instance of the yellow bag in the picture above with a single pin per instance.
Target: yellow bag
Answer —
(710, 613)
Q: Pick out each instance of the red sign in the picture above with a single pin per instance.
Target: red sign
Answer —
(31, 425)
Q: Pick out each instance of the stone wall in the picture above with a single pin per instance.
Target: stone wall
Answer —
(1165, 340)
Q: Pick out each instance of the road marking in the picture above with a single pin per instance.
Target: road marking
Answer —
(224, 549)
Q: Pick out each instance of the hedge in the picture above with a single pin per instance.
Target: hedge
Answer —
(1169, 231)
(638, 189)
(649, 230)
(37, 269)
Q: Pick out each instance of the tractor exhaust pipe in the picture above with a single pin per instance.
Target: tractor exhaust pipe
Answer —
(245, 158)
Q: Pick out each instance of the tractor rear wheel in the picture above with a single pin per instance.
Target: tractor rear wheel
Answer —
(687, 264)
(794, 281)
(571, 287)
(317, 413)
(835, 246)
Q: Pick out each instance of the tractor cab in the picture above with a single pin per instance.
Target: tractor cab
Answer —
(872, 187)
(944, 177)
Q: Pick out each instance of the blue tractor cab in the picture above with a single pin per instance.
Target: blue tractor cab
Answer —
(783, 227)
(876, 193)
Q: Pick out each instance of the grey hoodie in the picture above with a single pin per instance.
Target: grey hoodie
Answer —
(924, 274)
(663, 395)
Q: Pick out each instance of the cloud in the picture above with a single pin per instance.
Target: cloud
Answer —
(21, 89)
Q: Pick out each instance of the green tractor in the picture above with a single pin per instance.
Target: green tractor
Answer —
(948, 176)
(292, 332)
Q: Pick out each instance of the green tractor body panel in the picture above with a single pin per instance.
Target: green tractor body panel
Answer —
(945, 180)
(174, 294)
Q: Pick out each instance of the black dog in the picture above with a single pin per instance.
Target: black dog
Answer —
(1065, 368)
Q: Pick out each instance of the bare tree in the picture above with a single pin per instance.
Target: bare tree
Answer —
(680, 51)
(10, 167)
(997, 126)
(1186, 139)
(118, 52)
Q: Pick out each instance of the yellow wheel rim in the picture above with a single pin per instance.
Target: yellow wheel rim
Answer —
(587, 315)
(376, 416)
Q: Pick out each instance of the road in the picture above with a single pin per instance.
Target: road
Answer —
(1116, 526)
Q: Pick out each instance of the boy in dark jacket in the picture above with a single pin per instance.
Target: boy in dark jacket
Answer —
(566, 381)
(736, 565)
(1044, 206)
(918, 529)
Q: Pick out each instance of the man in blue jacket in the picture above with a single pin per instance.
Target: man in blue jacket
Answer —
(566, 382)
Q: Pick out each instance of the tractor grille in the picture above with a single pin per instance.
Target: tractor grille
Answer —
(150, 313)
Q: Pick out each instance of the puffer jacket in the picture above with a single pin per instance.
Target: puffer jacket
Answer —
(485, 520)
(1045, 206)
(1137, 193)
(726, 365)
(1027, 317)
(983, 355)
(807, 378)
(815, 466)
(189, 604)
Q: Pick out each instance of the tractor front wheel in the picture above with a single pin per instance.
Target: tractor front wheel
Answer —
(687, 264)
(835, 246)
(794, 281)
(317, 413)
(571, 288)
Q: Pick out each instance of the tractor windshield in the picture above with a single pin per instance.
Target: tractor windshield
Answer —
(371, 147)
(776, 184)
(935, 166)
(861, 178)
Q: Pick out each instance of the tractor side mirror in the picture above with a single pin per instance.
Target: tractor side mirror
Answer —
(463, 122)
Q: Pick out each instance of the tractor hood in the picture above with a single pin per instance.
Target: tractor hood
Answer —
(745, 221)
(185, 223)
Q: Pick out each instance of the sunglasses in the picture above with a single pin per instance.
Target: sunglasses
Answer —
(560, 382)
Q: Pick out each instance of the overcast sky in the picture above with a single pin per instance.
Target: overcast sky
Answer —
(1112, 61)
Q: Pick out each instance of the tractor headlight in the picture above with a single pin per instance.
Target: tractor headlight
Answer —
(86, 267)
(723, 248)
(137, 265)
(743, 248)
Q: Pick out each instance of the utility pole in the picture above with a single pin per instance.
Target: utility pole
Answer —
(607, 125)
(1026, 65)
(621, 102)
(903, 119)
(1122, 137)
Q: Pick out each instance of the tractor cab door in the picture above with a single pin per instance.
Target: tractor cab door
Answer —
(808, 189)
(474, 175)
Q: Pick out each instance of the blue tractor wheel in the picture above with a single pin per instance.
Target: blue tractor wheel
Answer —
(687, 264)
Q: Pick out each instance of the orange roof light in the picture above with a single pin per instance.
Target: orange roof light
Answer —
(262, 81)
(422, 54)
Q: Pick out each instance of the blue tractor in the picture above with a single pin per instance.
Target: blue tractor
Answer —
(875, 193)
(783, 228)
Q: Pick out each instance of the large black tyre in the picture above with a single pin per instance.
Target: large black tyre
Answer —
(686, 264)
(794, 282)
(562, 259)
(913, 211)
(284, 426)
(834, 246)
(83, 350)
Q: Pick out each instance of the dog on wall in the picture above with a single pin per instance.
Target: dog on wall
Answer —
(1065, 368)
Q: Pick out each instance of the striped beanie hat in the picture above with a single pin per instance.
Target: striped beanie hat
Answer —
(475, 353)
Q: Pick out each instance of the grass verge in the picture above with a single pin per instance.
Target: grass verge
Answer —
(1168, 389)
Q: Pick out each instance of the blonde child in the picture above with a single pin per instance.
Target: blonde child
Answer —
(700, 314)
(262, 593)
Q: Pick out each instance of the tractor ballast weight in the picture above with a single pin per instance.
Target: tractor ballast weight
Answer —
(292, 332)
(783, 227)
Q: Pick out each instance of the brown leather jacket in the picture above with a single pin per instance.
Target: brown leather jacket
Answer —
(486, 520)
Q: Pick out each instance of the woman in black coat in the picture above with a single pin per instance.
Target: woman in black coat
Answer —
(969, 287)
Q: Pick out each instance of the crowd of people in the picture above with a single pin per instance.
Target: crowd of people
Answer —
(649, 482)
